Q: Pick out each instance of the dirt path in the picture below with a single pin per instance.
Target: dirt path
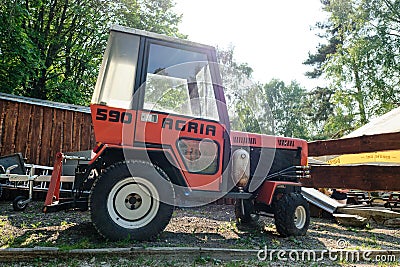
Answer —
(209, 226)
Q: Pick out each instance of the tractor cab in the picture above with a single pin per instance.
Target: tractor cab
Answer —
(164, 92)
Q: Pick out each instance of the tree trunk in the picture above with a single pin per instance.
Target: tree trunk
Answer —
(359, 94)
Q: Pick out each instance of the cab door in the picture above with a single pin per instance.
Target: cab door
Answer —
(179, 111)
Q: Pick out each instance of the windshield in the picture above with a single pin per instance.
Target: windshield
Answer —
(179, 81)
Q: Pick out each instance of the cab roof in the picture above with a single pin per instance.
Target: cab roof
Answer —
(119, 28)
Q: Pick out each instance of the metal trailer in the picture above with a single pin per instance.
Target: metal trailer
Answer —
(15, 174)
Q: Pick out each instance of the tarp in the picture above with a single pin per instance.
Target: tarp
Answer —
(387, 123)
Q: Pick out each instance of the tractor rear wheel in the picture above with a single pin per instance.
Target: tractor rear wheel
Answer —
(131, 200)
(292, 215)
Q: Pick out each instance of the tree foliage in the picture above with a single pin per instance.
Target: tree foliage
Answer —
(287, 104)
(246, 105)
(51, 49)
(360, 59)
(271, 108)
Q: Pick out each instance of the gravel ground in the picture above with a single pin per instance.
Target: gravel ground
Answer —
(208, 226)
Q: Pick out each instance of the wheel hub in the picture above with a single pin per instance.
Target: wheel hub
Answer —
(133, 202)
(300, 217)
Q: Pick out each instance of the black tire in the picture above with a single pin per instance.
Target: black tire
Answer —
(292, 215)
(244, 213)
(125, 201)
(18, 204)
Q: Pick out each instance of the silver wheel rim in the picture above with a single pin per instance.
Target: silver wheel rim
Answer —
(20, 204)
(300, 217)
(133, 202)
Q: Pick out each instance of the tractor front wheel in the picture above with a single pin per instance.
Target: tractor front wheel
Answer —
(244, 212)
(292, 215)
(131, 200)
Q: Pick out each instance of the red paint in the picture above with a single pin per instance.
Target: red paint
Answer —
(53, 194)
(113, 132)
(267, 190)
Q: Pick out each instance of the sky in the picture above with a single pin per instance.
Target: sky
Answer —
(272, 36)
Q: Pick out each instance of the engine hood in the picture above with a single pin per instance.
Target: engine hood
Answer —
(243, 139)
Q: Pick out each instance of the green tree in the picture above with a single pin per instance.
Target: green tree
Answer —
(360, 60)
(247, 107)
(51, 49)
(319, 108)
(287, 104)
(272, 108)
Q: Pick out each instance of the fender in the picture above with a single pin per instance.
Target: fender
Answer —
(104, 147)
(267, 190)
(175, 174)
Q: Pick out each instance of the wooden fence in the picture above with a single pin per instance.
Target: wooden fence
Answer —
(39, 129)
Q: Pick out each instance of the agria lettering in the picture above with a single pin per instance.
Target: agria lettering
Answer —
(190, 127)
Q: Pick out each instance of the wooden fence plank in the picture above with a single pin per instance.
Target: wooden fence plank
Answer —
(10, 125)
(92, 136)
(77, 131)
(85, 133)
(35, 140)
(56, 132)
(68, 131)
(3, 104)
(45, 153)
(22, 132)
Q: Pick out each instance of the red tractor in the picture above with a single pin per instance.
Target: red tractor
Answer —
(164, 140)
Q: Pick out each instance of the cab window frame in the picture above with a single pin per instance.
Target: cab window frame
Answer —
(142, 77)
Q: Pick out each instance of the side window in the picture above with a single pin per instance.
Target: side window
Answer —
(116, 79)
(199, 156)
(178, 81)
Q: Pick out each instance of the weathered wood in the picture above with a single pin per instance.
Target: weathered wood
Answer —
(77, 131)
(361, 144)
(45, 153)
(362, 177)
(85, 131)
(2, 115)
(23, 123)
(92, 135)
(10, 123)
(40, 131)
(378, 215)
(35, 140)
(68, 130)
(350, 220)
(57, 130)
(182, 253)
